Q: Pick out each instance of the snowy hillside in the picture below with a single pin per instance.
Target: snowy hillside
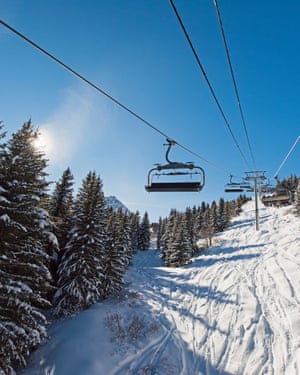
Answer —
(233, 310)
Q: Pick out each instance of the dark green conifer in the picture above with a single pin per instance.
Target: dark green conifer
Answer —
(60, 206)
(179, 247)
(159, 233)
(81, 273)
(222, 219)
(25, 239)
(116, 257)
(144, 233)
(134, 226)
(123, 242)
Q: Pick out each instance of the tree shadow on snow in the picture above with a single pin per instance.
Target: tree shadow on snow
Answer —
(177, 297)
(249, 222)
(225, 255)
(241, 224)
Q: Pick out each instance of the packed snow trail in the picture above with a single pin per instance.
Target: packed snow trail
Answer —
(236, 307)
(233, 310)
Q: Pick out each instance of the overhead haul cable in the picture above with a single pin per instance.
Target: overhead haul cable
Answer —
(101, 91)
(207, 80)
(234, 81)
(285, 159)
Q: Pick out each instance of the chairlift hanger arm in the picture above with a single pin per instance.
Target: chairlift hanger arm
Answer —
(171, 143)
(173, 164)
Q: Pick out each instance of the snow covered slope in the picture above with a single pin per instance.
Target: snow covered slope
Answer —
(234, 310)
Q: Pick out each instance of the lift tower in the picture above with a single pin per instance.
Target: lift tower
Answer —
(256, 177)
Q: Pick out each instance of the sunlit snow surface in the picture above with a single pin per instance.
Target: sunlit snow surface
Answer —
(234, 310)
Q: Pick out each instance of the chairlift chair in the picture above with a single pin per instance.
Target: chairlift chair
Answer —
(169, 173)
(267, 188)
(236, 187)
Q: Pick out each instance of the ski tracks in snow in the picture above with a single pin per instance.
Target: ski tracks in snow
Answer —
(234, 310)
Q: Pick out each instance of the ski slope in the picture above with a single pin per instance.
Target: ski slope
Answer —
(234, 310)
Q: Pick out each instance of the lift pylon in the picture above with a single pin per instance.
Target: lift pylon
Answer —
(256, 177)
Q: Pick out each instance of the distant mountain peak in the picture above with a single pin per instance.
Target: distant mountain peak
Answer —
(114, 203)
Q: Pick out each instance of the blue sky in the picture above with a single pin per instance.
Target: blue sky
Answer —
(136, 52)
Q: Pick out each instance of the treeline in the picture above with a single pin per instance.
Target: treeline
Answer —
(292, 186)
(61, 252)
(288, 184)
(297, 199)
(178, 235)
(58, 253)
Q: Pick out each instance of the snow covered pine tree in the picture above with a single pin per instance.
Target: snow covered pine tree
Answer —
(25, 237)
(179, 246)
(82, 267)
(60, 206)
(116, 256)
(144, 233)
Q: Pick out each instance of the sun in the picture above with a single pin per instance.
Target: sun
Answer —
(44, 141)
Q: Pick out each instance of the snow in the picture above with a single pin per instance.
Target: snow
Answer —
(233, 310)
(5, 218)
(3, 199)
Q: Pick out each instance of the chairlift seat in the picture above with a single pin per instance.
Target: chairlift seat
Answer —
(174, 187)
(234, 190)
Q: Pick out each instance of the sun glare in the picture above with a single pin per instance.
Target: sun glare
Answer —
(43, 142)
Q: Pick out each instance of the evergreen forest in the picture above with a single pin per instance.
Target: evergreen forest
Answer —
(62, 251)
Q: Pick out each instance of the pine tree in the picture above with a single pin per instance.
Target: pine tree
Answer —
(222, 218)
(230, 210)
(25, 237)
(81, 273)
(123, 237)
(159, 233)
(189, 223)
(163, 239)
(116, 259)
(197, 221)
(207, 229)
(213, 217)
(144, 233)
(60, 206)
(2, 164)
(134, 226)
(168, 226)
(179, 247)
